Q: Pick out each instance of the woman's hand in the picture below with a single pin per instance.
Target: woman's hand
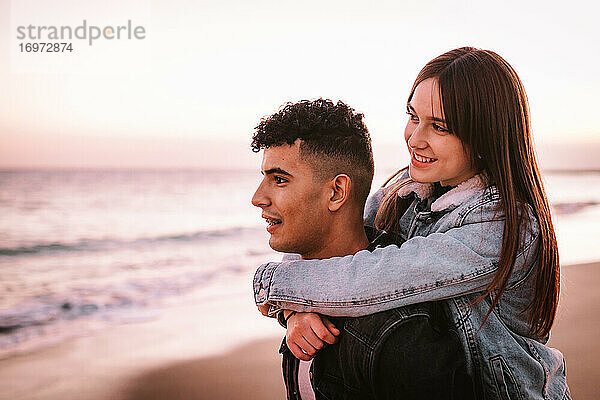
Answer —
(307, 333)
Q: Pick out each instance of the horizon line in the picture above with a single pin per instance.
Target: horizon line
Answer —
(4, 169)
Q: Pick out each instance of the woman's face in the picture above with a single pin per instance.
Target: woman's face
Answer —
(436, 154)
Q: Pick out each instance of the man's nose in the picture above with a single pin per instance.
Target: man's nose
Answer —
(259, 199)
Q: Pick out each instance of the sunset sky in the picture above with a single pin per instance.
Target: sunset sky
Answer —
(190, 93)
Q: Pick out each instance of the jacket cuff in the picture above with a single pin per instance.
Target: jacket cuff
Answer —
(262, 282)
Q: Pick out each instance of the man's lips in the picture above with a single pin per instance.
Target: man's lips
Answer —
(272, 222)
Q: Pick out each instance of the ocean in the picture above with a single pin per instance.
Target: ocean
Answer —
(85, 249)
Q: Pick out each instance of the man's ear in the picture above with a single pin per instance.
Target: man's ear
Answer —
(340, 191)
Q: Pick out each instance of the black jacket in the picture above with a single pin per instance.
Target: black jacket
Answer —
(411, 352)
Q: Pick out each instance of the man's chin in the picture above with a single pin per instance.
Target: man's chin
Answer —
(280, 247)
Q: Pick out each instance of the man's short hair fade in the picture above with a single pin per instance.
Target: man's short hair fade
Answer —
(334, 139)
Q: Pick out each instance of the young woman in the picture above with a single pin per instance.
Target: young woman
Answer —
(473, 226)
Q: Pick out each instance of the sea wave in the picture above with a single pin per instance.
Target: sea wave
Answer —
(103, 244)
(572, 207)
(104, 300)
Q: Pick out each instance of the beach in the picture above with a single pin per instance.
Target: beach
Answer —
(132, 164)
(222, 349)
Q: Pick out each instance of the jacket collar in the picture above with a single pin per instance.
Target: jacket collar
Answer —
(451, 199)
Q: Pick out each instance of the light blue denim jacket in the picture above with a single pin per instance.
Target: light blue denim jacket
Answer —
(449, 249)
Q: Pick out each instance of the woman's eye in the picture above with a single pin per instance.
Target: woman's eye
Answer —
(412, 116)
(279, 180)
(440, 128)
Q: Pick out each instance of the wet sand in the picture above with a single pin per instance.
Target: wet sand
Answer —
(201, 352)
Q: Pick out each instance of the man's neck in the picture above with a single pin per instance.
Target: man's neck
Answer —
(345, 240)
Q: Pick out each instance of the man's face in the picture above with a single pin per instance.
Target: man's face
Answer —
(293, 202)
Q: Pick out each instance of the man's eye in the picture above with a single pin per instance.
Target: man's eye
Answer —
(412, 116)
(279, 180)
(440, 128)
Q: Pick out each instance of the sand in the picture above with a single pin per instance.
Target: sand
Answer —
(222, 349)
(575, 333)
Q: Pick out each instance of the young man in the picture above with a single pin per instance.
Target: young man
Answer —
(318, 167)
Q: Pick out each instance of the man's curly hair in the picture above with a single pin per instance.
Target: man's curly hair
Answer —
(334, 139)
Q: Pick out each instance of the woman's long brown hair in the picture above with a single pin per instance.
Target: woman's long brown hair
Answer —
(485, 106)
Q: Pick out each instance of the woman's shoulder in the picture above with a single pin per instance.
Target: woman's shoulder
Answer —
(473, 201)
(485, 206)
(485, 203)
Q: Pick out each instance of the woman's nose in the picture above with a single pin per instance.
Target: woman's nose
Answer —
(417, 139)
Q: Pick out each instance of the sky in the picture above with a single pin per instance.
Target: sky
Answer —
(191, 91)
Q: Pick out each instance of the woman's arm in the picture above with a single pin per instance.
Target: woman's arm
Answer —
(442, 265)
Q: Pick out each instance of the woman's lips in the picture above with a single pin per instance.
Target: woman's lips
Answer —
(420, 164)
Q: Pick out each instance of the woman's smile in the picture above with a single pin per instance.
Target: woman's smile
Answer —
(421, 161)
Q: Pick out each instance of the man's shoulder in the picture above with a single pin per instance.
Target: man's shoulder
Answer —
(375, 328)
(378, 238)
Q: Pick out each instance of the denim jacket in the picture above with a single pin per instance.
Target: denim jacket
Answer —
(450, 247)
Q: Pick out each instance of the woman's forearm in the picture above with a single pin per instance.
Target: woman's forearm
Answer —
(442, 265)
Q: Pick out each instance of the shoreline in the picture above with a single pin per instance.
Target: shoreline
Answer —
(223, 349)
